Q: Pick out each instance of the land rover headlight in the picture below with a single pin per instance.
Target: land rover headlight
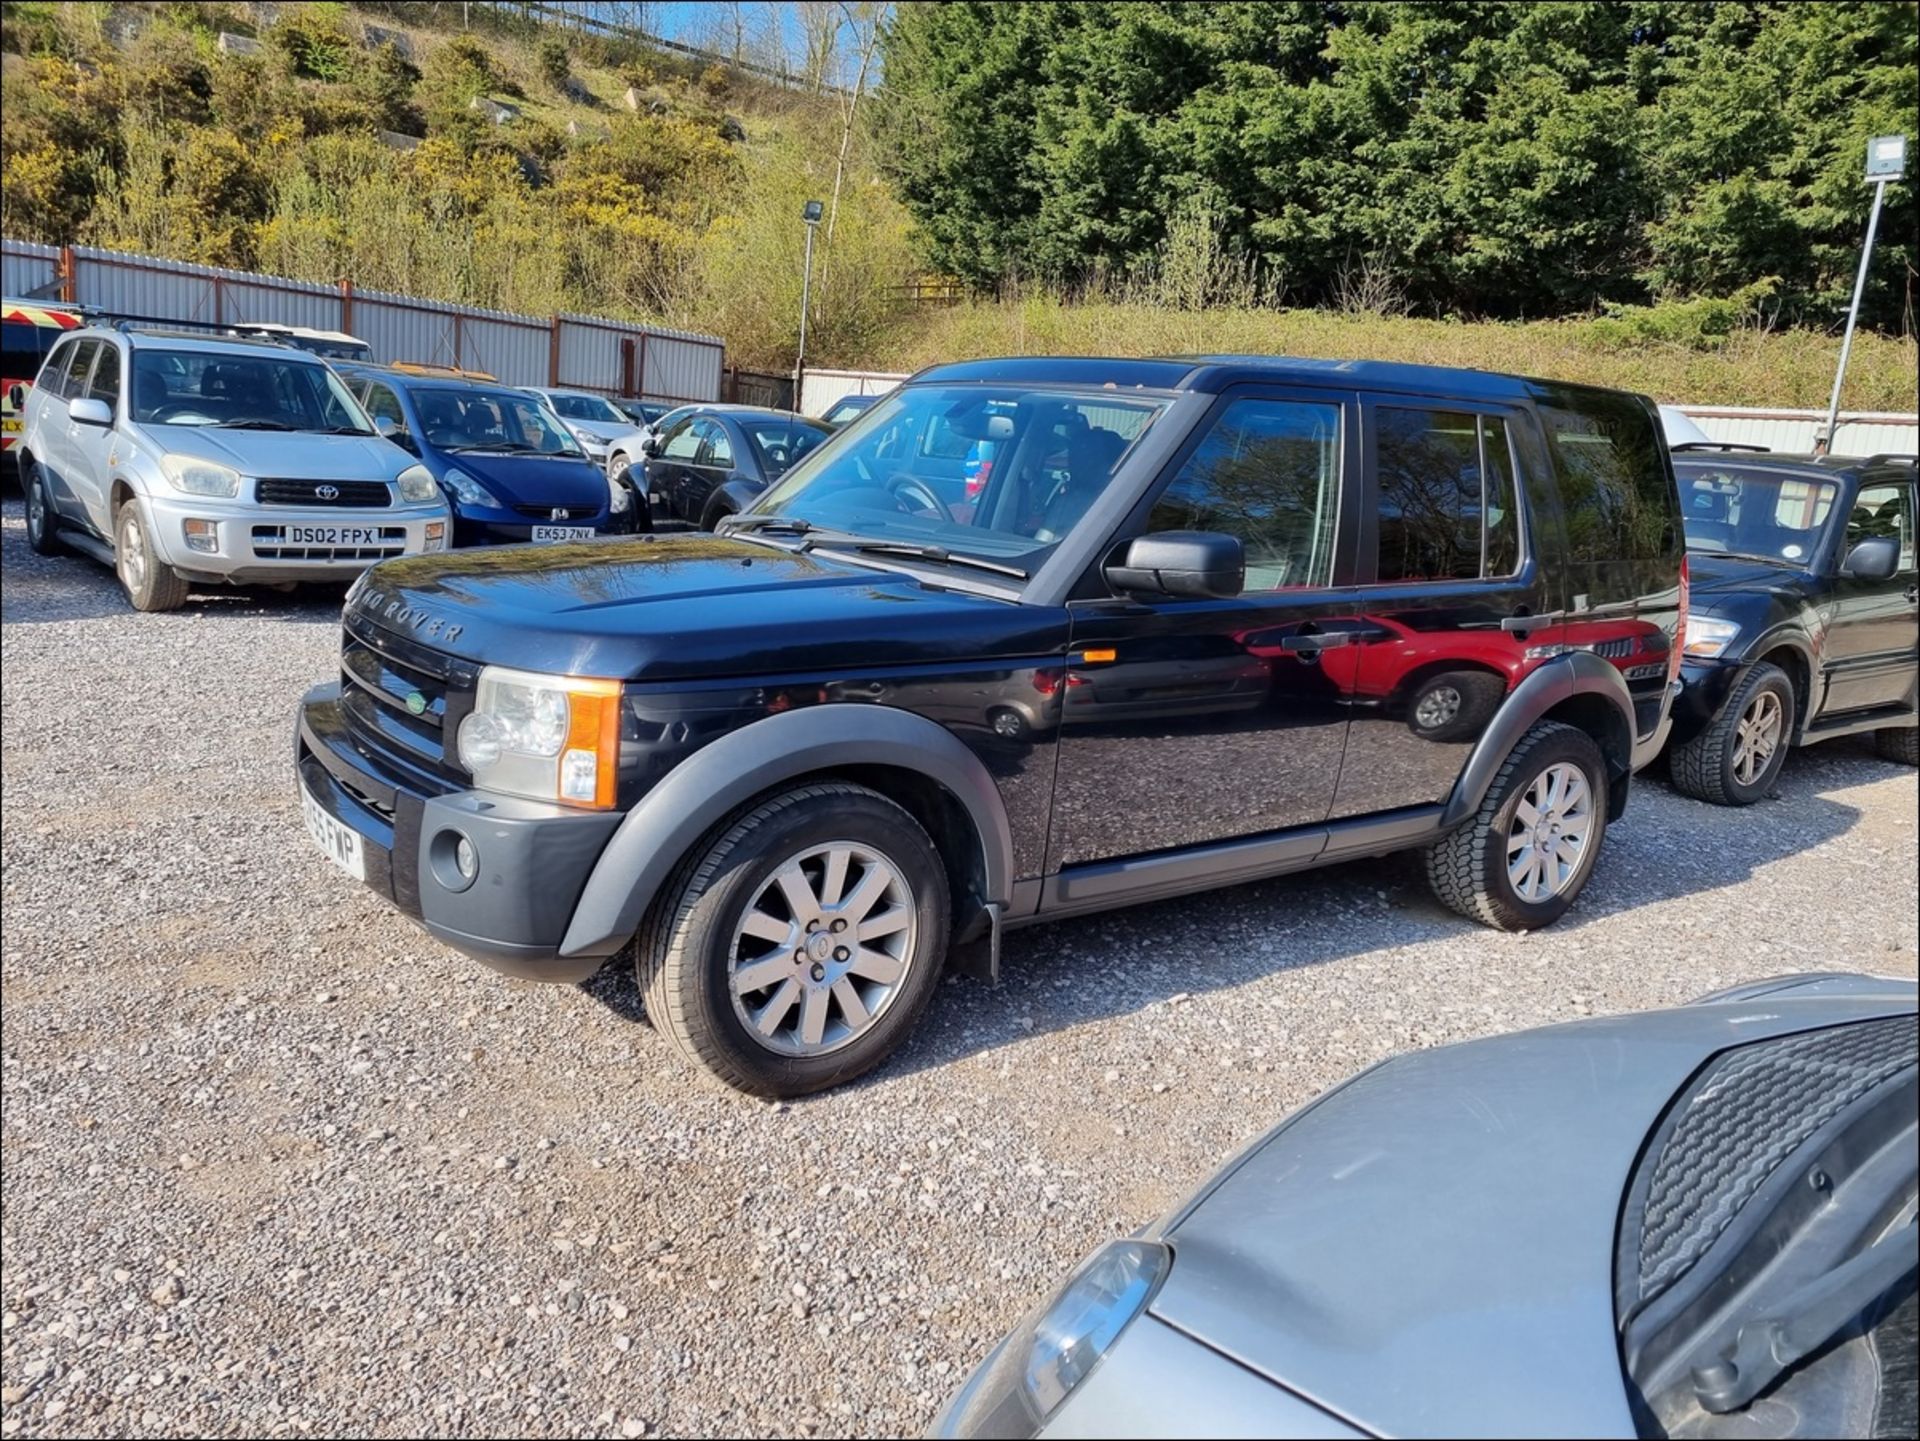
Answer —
(416, 485)
(545, 737)
(1708, 636)
(200, 477)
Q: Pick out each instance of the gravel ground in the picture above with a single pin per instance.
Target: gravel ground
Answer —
(276, 1163)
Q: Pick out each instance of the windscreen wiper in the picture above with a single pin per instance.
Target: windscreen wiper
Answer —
(792, 524)
(497, 447)
(252, 425)
(1798, 1323)
(917, 550)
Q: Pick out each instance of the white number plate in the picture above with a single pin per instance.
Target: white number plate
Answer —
(335, 535)
(341, 842)
(547, 534)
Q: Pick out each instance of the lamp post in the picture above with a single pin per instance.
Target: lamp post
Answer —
(810, 212)
(1886, 163)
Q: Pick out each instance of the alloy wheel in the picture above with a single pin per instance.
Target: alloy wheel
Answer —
(1550, 833)
(36, 505)
(1437, 707)
(822, 949)
(1757, 737)
(133, 554)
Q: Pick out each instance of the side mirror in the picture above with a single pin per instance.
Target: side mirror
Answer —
(1875, 559)
(386, 425)
(90, 412)
(1197, 564)
(650, 444)
(17, 396)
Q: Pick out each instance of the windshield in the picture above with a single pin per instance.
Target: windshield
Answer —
(588, 407)
(780, 444)
(508, 421)
(1754, 511)
(242, 392)
(995, 472)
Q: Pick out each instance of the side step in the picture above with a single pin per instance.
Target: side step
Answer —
(88, 545)
(1886, 717)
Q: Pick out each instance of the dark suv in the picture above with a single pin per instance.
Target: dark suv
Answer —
(1804, 625)
(777, 764)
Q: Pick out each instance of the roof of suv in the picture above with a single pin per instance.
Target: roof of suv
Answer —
(1213, 373)
(1823, 466)
(414, 380)
(140, 337)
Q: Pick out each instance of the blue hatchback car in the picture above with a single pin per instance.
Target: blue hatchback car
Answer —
(511, 471)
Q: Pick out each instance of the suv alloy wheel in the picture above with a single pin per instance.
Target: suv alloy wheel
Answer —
(43, 528)
(1737, 758)
(150, 582)
(798, 948)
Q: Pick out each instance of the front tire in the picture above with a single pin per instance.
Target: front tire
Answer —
(798, 946)
(151, 584)
(711, 520)
(1530, 848)
(1900, 744)
(1737, 758)
(43, 525)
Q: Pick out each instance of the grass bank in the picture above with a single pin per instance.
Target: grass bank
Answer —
(1749, 366)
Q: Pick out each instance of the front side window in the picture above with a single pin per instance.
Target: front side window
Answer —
(718, 452)
(682, 443)
(242, 392)
(1268, 472)
(1884, 510)
(898, 474)
(383, 404)
(1445, 504)
(1754, 512)
(79, 361)
(105, 385)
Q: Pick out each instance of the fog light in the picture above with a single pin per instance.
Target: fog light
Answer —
(203, 535)
(579, 775)
(436, 535)
(464, 858)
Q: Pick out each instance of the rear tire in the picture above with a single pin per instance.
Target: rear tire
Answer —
(43, 525)
(1521, 836)
(1737, 758)
(740, 1012)
(1900, 744)
(151, 584)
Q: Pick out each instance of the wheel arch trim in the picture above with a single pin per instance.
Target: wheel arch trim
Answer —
(719, 778)
(1562, 679)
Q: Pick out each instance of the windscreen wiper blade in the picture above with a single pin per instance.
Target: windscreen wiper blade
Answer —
(917, 550)
(792, 524)
(497, 447)
(253, 425)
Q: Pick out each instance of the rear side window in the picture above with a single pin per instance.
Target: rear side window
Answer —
(1614, 492)
(1445, 502)
(53, 375)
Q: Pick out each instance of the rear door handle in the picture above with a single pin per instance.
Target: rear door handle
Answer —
(1532, 622)
(1317, 640)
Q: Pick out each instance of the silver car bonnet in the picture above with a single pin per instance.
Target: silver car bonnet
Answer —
(1428, 1250)
(283, 454)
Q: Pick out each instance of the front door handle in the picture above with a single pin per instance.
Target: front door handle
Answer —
(1317, 640)
(1533, 622)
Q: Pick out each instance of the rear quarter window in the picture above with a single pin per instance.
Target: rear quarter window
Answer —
(1616, 494)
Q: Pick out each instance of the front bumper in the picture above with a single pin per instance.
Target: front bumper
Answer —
(253, 543)
(1704, 688)
(534, 859)
(505, 527)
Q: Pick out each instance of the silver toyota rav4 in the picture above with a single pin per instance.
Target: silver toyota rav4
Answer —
(179, 458)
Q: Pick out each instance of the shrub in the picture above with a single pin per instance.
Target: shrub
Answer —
(386, 84)
(551, 57)
(167, 78)
(1705, 323)
(313, 43)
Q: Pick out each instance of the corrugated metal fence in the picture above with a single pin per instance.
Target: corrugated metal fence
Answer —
(1859, 432)
(576, 351)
